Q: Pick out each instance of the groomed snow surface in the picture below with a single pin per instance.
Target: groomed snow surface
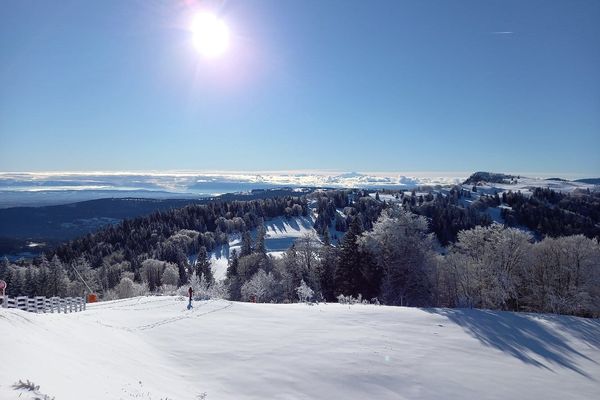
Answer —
(154, 348)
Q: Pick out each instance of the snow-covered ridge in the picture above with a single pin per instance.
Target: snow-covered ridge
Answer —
(153, 348)
(526, 184)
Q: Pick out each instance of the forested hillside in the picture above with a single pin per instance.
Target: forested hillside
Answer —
(429, 247)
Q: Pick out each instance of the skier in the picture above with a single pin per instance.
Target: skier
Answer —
(190, 292)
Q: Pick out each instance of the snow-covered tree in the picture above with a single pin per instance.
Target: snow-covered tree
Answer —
(492, 259)
(152, 271)
(127, 288)
(83, 278)
(170, 275)
(307, 262)
(195, 283)
(57, 278)
(401, 246)
(563, 276)
(305, 293)
(261, 288)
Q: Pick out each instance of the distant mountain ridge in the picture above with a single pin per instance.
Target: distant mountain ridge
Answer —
(489, 177)
(591, 181)
(484, 177)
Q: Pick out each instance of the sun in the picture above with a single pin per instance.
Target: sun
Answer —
(210, 35)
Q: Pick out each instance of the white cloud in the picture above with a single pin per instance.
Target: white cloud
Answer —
(217, 182)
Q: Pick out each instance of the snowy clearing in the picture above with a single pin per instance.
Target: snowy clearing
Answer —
(527, 185)
(153, 348)
(281, 233)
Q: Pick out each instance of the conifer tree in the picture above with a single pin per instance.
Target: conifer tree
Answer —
(260, 240)
(203, 266)
(327, 266)
(246, 244)
(57, 278)
(232, 280)
(347, 272)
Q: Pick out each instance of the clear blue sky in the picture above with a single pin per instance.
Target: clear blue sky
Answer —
(346, 85)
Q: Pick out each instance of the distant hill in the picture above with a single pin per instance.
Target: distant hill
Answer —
(489, 177)
(591, 181)
(71, 220)
(26, 231)
(557, 179)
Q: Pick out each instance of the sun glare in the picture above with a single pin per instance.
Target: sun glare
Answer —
(210, 35)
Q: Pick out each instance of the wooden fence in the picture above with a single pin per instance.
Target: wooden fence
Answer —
(41, 304)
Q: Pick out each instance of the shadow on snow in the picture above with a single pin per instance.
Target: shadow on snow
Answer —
(529, 337)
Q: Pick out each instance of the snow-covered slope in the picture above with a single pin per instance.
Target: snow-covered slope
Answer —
(526, 185)
(153, 348)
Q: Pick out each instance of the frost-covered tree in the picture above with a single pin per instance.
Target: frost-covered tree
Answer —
(151, 272)
(57, 278)
(287, 271)
(485, 267)
(195, 283)
(304, 292)
(402, 248)
(110, 274)
(127, 288)
(5, 271)
(563, 276)
(250, 264)
(170, 275)
(262, 287)
(459, 281)
(307, 262)
(83, 278)
(41, 277)
(200, 286)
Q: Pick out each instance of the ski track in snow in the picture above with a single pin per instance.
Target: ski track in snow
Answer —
(187, 314)
(175, 319)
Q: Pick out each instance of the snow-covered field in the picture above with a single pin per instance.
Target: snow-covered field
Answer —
(153, 348)
(526, 185)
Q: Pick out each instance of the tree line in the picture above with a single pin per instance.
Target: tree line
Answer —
(397, 263)
(417, 250)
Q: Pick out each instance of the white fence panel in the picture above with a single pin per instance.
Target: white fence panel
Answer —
(41, 304)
